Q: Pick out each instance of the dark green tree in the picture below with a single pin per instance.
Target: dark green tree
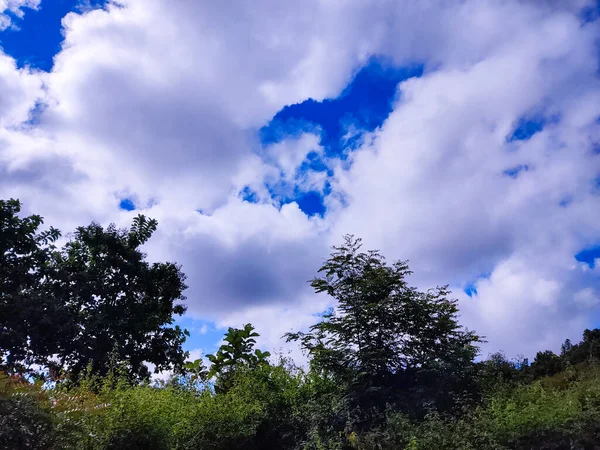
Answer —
(588, 350)
(566, 347)
(546, 364)
(237, 353)
(31, 325)
(498, 372)
(123, 305)
(387, 342)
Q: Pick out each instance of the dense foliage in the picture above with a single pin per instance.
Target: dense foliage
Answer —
(389, 368)
(93, 304)
(388, 344)
(235, 355)
(29, 319)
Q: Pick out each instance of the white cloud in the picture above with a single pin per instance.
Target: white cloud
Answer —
(14, 7)
(588, 297)
(272, 321)
(160, 102)
(529, 304)
(431, 187)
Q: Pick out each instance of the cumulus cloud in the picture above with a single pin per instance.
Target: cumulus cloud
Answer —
(14, 8)
(432, 186)
(242, 256)
(160, 102)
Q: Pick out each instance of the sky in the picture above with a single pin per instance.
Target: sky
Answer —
(463, 136)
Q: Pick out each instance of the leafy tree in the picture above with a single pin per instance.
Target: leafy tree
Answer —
(195, 375)
(387, 342)
(237, 352)
(30, 324)
(588, 350)
(97, 301)
(498, 372)
(122, 305)
(546, 364)
(566, 347)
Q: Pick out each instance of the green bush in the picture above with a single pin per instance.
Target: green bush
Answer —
(24, 424)
(532, 416)
(282, 407)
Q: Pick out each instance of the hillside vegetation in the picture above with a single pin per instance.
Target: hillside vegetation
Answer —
(389, 368)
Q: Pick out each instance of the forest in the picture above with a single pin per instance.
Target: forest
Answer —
(85, 320)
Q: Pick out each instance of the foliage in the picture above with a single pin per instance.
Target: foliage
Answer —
(94, 302)
(588, 350)
(500, 373)
(545, 364)
(123, 305)
(390, 368)
(274, 407)
(29, 322)
(237, 353)
(195, 373)
(388, 343)
(25, 422)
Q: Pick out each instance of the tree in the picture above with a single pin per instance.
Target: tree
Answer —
(236, 353)
(30, 324)
(566, 347)
(387, 342)
(123, 306)
(546, 364)
(588, 350)
(195, 372)
(498, 372)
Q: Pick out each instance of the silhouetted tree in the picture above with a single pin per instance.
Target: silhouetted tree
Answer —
(94, 304)
(31, 323)
(123, 305)
(387, 342)
(546, 364)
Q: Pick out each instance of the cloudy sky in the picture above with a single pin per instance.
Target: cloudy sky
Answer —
(461, 135)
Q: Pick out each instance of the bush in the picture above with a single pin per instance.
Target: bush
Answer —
(24, 424)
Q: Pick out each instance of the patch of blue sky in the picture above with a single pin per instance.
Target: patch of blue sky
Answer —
(470, 290)
(340, 122)
(566, 201)
(471, 287)
(203, 335)
(514, 172)
(127, 204)
(526, 128)
(311, 202)
(362, 106)
(589, 255)
(315, 163)
(248, 195)
(590, 13)
(36, 38)
(36, 113)
(327, 312)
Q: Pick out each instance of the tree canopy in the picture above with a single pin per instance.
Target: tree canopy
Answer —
(91, 305)
(29, 319)
(389, 343)
(236, 353)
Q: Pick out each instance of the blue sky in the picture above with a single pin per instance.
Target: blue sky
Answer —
(35, 40)
(341, 122)
(259, 134)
